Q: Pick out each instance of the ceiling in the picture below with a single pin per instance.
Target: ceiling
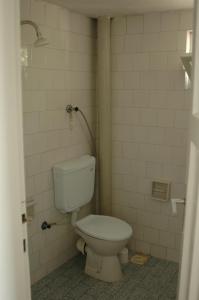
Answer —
(96, 8)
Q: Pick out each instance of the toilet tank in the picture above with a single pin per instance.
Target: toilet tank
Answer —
(74, 182)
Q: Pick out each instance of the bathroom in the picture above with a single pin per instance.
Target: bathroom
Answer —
(150, 111)
(106, 85)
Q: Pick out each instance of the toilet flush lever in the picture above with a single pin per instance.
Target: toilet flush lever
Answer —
(174, 203)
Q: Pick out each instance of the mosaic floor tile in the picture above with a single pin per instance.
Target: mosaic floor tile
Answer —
(157, 280)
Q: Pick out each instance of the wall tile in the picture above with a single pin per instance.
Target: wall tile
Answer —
(148, 117)
(33, 165)
(38, 11)
(158, 99)
(52, 15)
(159, 222)
(181, 40)
(175, 173)
(30, 187)
(57, 100)
(122, 62)
(175, 224)
(168, 41)
(151, 235)
(33, 101)
(118, 26)
(142, 247)
(173, 255)
(186, 20)
(122, 98)
(122, 166)
(133, 43)
(150, 42)
(82, 25)
(140, 98)
(34, 143)
(140, 61)
(165, 118)
(156, 135)
(55, 37)
(131, 80)
(64, 20)
(24, 9)
(31, 122)
(175, 137)
(167, 239)
(174, 61)
(135, 24)
(138, 232)
(117, 44)
(170, 21)
(158, 251)
(117, 181)
(182, 119)
(144, 218)
(34, 261)
(130, 150)
(158, 61)
(152, 22)
(154, 170)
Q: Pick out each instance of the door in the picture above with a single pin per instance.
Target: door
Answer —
(14, 267)
(189, 273)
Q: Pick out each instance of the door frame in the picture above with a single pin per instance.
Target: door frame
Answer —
(14, 265)
(189, 273)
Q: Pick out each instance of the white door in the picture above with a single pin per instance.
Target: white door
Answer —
(14, 267)
(189, 275)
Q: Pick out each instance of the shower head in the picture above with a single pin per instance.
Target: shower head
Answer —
(41, 41)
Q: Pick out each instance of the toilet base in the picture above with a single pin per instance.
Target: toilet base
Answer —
(105, 268)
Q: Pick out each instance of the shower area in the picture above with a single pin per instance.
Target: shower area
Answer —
(57, 76)
(115, 88)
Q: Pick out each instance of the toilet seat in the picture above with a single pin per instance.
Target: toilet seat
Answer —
(105, 228)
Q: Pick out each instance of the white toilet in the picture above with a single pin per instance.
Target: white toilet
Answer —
(103, 237)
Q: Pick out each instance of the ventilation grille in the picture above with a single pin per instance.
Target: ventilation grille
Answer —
(161, 190)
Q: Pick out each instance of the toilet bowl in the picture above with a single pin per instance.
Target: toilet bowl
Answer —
(105, 237)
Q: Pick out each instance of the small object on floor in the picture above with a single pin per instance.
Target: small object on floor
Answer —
(139, 259)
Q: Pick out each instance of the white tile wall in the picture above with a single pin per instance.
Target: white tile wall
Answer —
(59, 74)
(150, 122)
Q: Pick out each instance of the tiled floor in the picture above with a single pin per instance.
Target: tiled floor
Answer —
(156, 280)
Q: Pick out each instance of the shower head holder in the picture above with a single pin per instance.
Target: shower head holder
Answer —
(70, 108)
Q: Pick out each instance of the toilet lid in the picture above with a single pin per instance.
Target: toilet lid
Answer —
(105, 227)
